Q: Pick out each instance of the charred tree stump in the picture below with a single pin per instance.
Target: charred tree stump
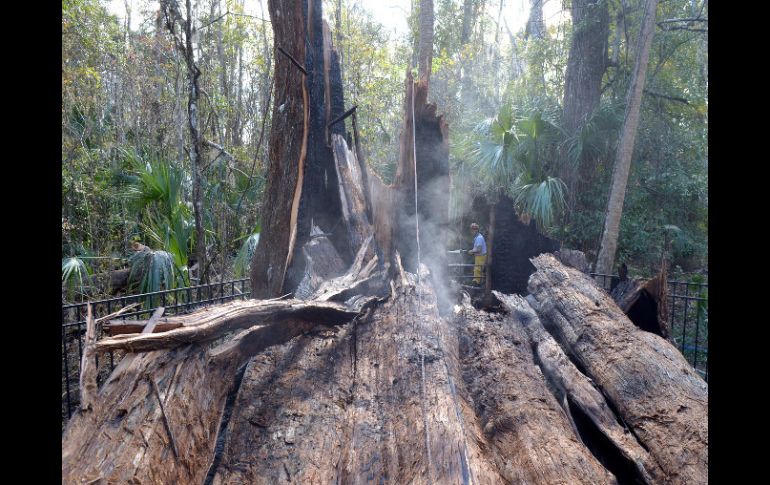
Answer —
(515, 243)
(645, 301)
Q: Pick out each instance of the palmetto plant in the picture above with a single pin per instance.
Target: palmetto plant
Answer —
(155, 189)
(155, 270)
(73, 273)
(512, 151)
(595, 139)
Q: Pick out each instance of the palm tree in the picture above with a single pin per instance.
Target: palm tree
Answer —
(512, 152)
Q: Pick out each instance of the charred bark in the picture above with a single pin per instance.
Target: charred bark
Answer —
(515, 243)
(424, 154)
(645, 302)
(309, 98)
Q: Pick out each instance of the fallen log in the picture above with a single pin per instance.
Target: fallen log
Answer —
(529, 434)
(211, 323)
(662, 400)
(582, 402)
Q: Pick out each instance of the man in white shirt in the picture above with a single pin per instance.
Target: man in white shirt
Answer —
(480, 253)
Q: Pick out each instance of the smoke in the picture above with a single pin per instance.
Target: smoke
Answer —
(432, 217)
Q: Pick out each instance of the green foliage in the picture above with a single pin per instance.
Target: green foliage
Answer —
(73, 273)
(126, 172)
(512, 152)
(154, 270)
(544, 200)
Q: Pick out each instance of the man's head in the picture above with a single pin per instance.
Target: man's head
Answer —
(474, 228)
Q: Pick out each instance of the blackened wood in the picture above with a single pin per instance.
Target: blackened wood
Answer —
(343, 115)
(515, 243)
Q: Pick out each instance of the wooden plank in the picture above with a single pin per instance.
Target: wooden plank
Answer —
(88, 369)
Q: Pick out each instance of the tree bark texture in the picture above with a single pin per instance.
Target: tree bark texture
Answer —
(424, 153)
(287, 154)
(586, 64)
(609, 243)
(662, 400)
(300, 158)
(425, 55)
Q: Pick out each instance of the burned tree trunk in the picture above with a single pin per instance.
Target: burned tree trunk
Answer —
(422, 185)
(288, 154)
(515, 243)
(645, 301)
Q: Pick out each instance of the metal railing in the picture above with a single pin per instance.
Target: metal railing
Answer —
(176, 301)
(688, 317)
(461, 270)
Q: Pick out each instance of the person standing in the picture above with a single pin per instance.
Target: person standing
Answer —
(479, 252)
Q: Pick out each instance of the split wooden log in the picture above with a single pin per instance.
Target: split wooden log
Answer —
(525, 429)
(120, 440)
(341, 407)
(352, 196)
(87, 365)
(629, 461)
(322, 261)
(662, 400)
(645, 301)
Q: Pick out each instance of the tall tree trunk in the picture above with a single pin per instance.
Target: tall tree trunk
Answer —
(586, 64)
(535, 24)
(425, 56)
(338, 28)
(185, 45)
(468, 18)
(464, 67)
(609, 242)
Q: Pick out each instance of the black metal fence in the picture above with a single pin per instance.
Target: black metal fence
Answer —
(177, 301)
(688, 316)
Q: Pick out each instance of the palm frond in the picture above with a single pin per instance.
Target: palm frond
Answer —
(73, 272)
(543, 200)
(153, 269)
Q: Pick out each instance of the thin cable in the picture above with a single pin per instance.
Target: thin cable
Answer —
(419, 302)
(464, 464)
